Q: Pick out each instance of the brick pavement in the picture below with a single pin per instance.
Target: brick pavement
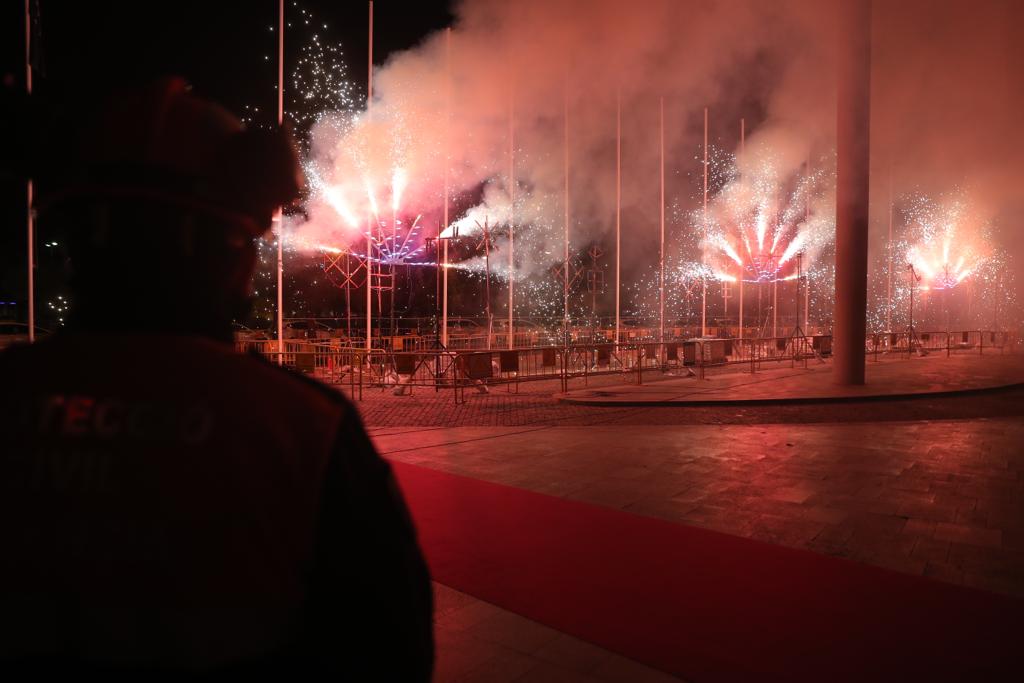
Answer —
(943, 498)
(534, 405)
(929, 486)
(888, 378)
(477, 641)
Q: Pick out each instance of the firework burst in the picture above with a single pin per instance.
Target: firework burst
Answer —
(949, 244)
(762, 218)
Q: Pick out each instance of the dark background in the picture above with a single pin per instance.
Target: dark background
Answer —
(226, 49)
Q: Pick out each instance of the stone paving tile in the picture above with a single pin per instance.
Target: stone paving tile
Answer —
(931, 550)
(535, 405)
(841, 489)
(574, 654)
(477, 642)
(975, 536)
(720, 472)
(825, 514)
(891, 377)
(618, 669)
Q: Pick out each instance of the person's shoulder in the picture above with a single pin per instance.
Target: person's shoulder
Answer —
(285, 376)
(19, 353)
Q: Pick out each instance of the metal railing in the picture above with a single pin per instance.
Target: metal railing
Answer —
(409, 365)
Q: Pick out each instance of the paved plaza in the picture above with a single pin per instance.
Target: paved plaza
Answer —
(811, 382)
(930, 486)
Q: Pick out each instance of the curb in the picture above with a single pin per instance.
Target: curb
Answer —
(796, 400)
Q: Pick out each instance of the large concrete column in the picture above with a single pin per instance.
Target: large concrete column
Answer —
(852, 174)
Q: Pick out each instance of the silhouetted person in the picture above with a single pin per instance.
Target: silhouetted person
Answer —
(168, 504)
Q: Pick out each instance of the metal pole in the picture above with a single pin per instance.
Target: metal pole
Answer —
(618, 214)
(565, 279)
(369, 218)
(799, 278)
(704, 279)
(394, 269)
(487, 281)
(807, 300)
(913, 285)
(853, 124)
(447, 117)
(661, 248)
(743, 149)
(775, 303)
(511, 215)
(437, 285)
(704, 306)
(888, 244)
(807, 271)
(279, 214)
(348, 297)
(740, 301)
(945, 298)
(30, 219)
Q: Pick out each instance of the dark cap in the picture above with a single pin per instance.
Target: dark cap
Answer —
(161, 143)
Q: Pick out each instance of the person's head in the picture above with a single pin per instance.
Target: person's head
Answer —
(161, 198)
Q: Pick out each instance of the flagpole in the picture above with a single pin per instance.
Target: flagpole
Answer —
(279, 214)
(447, 117)
(30, 221)
(369, 217)
(511, 215)
(807, 269)
(565, 278)
(661, 249)
(704, 275)
(618, 213)
(743, 149)
(888, 277)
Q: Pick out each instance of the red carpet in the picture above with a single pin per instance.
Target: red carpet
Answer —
(703, 605)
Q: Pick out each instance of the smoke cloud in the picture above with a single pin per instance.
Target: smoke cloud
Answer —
(946, 97)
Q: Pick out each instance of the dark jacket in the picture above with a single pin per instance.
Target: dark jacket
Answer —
(170, 505)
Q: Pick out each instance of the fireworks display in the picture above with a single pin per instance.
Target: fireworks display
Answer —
(944, 249)
(950, 244)
(763, 218)
(376, 179)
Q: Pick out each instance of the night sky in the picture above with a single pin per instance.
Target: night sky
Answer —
(221, 48)
(945, 109)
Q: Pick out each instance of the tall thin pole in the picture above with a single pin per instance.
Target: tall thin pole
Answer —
(618, 215)
(369, 218)
(565, 278)
(704, 276)
(888, 277)
(913, 284)
(743, 149)
(661, 248)
(945, 301)
(394, 270)
(775, 306)
(487, 281)
(30, 219)
(799, 280)
(807, 270)
(996, 300)
(348, 296)
(447, 116)
(807, 299)
(511, 215)
(437, 287)
(279, 214)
